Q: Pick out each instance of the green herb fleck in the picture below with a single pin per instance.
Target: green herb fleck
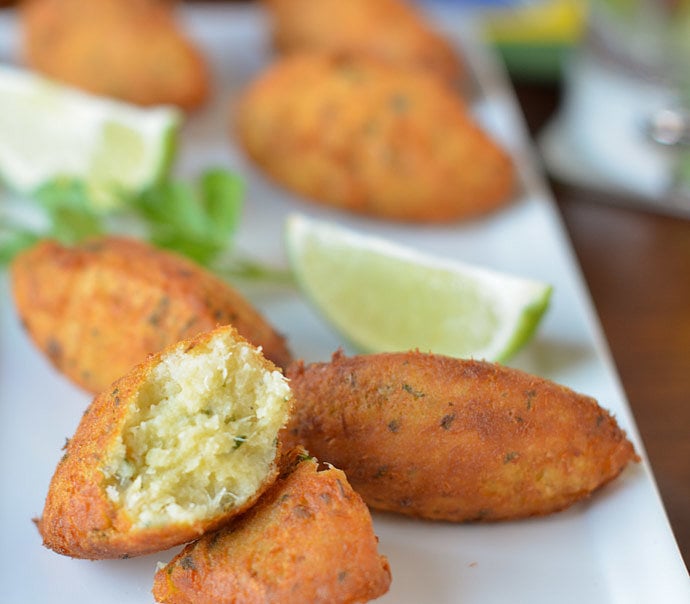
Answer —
(412, 391)
(54, 350)
(239, 441)
(447, 420)
(381, 471)
(159, 311)
(302, 511)
(399, 102)
(352, 380)
(483, 514)
(215, 539)
(510, 456)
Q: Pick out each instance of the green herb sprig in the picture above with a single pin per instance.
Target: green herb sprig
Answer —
(198, 220)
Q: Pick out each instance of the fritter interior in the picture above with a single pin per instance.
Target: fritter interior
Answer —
(200, 437)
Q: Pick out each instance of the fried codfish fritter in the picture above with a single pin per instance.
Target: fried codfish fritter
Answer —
(98, 308)
(390, 30)
(131, 50)
(450, 439)
(309, 539)
(174, 448)
(360, 135)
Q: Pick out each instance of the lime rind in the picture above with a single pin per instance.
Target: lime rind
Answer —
(495, 315)
(123, 164)
(168, 152)
(527, 325)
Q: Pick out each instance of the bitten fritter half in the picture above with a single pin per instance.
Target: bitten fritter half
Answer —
(132, 50)
(98, 308)
(176, 447)
(359, 135)
(393, 31)
(308, 539)
(458, 440)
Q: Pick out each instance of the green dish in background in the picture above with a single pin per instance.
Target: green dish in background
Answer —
(540, 62)
(534, 39)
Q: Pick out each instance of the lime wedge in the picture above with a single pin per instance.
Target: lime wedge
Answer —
(385, 297)
(50, 131)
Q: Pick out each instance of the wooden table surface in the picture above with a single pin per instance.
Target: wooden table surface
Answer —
(637, 266)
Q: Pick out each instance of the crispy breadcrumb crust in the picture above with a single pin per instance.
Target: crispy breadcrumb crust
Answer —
(390, 30)
(87, 513)
(451, 439)
(132, 50)
(309, 539)
(360, 135)
(98, 308)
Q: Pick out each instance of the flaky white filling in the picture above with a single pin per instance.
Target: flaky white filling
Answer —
(201, 436)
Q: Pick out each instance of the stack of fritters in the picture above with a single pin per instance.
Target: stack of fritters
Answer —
(186, 439)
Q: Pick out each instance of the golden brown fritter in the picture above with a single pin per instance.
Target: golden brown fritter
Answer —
(367, 138)
(390, 30)
(131, 50)
(450, 439)
(98, 308)
(309, 539)
(176, 447)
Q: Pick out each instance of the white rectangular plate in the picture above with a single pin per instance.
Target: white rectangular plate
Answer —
(616, 547)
